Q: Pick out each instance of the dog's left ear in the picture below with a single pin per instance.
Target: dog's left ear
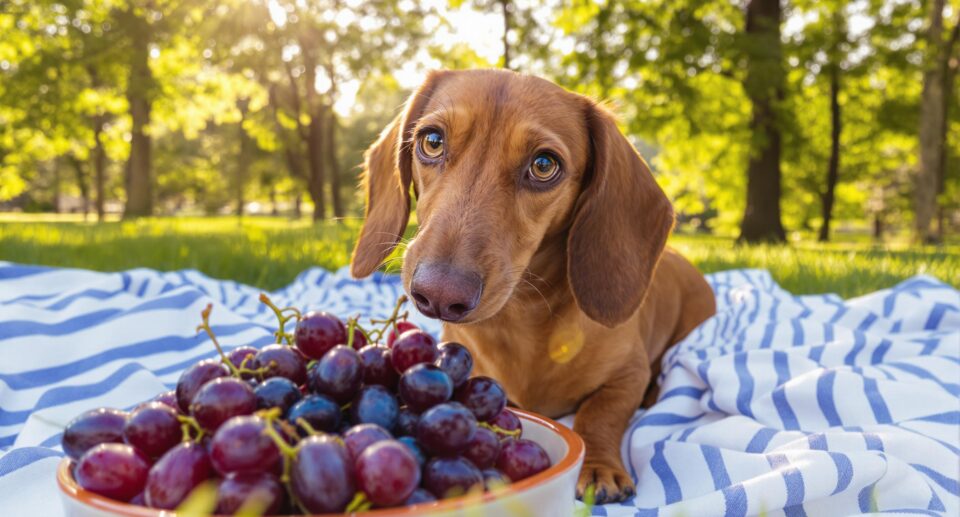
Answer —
(620, 226)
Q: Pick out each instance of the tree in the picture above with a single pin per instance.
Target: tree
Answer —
(937, 82)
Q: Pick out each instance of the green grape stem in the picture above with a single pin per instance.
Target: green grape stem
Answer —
(205, 326)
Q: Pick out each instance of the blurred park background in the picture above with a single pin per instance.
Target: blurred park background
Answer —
(818, 139)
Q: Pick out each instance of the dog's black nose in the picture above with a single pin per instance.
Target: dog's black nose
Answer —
(445, 291)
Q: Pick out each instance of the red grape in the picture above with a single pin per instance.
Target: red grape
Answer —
(388, 473)
(338, 375)
(195, 377)
(378, 367)
(359, 437)
(456, 361)
(321, 475)
(402, 326)
(262, 491)
(169, 398)
(278, 392)
(282, 361)
(92, 428)
(177, 473)
(450, 477)
(419, 496)
(318, 332)
(413, 347)
(424, 386)
(359, 340)
(507, 424)
(483, 448)
(484, 396)
(242, 445)
(520, 459)
(242, 354)
(221, 399)
(319, 411)
(446, 429)
(113, 470)
(375, 405)
(153, 429)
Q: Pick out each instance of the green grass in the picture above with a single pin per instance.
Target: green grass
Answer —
(270, 252)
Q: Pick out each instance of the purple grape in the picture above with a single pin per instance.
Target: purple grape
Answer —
(520, 459)
(221, 399)
(236, 490)
(319, 411)
(419, 496)
(318, 332)
(415, 449)
(406, 422)
(92, 428)
(177, 473)
(411, 348)
(322, 475)
(483, 448)
(377, 366)
(446, 429)
(282, 361)
(388, 473)
(243, 354)
(450, 477)
(507, 424)
(484, 396)
(195, 377)
(338, 375)
(113, 470)
(359, 340)
(169, 398)
(153, 429)
(494, 479)
(242, 445)
(402, 326)
(278, 392)
(424, 386)
(359, 437)
(456, 361)
(375, 405)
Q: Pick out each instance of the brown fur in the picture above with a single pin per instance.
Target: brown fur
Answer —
(580, 299)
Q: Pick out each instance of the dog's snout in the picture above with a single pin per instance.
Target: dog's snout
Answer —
(444, 291)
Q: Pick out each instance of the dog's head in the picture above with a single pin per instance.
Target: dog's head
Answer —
(499, 163)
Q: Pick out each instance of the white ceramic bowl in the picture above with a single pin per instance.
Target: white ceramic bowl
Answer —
(550, 492)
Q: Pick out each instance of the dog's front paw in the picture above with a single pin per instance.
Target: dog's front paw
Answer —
(611, 484)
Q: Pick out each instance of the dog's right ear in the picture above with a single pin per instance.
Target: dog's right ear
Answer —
(387, 174)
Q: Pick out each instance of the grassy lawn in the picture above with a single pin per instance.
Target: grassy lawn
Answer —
(270, 252)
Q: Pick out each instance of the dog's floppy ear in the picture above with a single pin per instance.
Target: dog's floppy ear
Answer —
(387, 175)
(620, 226)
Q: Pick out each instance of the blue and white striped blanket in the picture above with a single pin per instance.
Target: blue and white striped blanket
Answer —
(780, 404)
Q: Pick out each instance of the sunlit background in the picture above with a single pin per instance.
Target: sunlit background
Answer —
(764, 120)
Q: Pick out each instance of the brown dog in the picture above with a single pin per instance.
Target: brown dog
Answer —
(541, 245)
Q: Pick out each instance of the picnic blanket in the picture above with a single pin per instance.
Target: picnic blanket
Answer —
(780, 404)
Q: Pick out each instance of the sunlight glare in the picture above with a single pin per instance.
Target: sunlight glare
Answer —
(277, 13)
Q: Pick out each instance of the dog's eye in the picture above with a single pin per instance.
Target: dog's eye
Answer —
(544, 167)
(431, 145)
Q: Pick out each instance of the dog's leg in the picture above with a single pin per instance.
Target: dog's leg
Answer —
(601, 420)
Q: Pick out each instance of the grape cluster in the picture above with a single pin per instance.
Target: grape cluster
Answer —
(325, 420)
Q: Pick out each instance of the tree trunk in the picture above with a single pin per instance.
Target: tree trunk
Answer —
(316, 164)
(273, 201)
(99, 167)
(334, 164)
(56, 185)
(933, 103)
(764, 87)
(950, 65)
(833, 167)
(878, 227)
(139, 189)
(297, 206)
(82, 185)
(242, 164)
(505, 6)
